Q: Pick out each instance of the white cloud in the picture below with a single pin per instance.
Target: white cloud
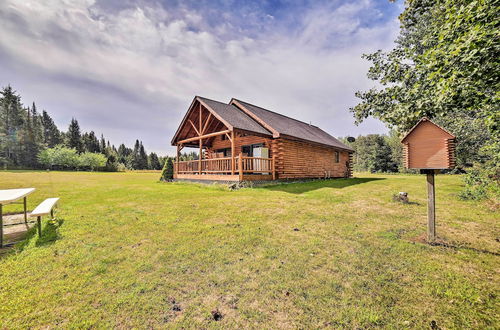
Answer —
(131, 73)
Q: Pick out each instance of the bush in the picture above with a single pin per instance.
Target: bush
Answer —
(481, 182)
(92, 161)
(167, 174)
(59, 156)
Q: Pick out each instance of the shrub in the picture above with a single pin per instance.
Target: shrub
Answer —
(92, 161)
(59, 156)
(167, 173)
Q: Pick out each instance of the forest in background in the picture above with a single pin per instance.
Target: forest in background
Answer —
(30, 139)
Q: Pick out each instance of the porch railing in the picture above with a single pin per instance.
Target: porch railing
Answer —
(242, 165)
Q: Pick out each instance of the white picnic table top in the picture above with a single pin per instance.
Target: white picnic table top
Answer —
(11, 195)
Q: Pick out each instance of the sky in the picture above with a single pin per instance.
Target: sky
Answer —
(130, 69)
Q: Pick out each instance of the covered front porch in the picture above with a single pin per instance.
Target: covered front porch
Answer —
(226, 153)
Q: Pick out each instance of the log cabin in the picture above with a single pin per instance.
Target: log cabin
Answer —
(239, 141)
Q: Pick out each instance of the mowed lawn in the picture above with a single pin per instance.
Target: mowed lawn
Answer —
(129, 251)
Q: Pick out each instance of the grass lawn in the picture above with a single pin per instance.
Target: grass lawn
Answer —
(129, 251)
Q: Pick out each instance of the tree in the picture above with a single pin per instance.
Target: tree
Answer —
(154, 162)
(167, 174)
(444, 66)
(90, 142)
(59, 156)
(373, 154)
(92, 161)
(12, 119)
(75, 136)
(143, 158)
(51, 134)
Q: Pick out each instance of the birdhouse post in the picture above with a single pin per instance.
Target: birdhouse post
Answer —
(429, 148)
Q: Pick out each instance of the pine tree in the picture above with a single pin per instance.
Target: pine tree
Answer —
(74, 136)
(143, 158)
(123, 153)
(102, 144)
(51, 134)
(154, 162)
(167, 174)
(12, 119)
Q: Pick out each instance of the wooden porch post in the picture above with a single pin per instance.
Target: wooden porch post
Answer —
(274, 167)
(200, 156)
(201, 142)
(232, 152)
(240, 166)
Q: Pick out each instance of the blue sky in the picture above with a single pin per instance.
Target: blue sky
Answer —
(129, 69)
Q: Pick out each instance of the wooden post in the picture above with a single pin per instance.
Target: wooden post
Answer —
(39, 221)
(232, 153)
(52, 214)
(240, 166)
(431, 207)
(274, 167)
(200, 156)
(25, 211)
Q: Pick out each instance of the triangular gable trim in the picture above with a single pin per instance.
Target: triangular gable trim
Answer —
(190, 109)
(422, 120)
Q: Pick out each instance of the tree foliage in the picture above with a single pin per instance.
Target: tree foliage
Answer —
(373, 153)
(444, 66)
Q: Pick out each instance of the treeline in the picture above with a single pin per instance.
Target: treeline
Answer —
(31, 140)
(377, 153)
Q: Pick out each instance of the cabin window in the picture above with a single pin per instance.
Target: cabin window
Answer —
(248, 150)
(337, 157)
(223, 137)
(224, 152)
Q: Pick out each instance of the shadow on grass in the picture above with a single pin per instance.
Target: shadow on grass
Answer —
(302, 187)
(455, 246)
(50, 234)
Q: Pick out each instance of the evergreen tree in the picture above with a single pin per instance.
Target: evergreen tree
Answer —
(167, 174)
(102, 144)
(12, 118)
(154, 162)
(123, 153)
(75, 136)
(143, 158)
(51, 134)
(91, 144)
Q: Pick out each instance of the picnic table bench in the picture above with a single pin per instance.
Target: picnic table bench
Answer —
(44, 208)
(10, 196)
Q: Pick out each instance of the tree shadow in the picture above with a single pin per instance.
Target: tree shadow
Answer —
(302, 187)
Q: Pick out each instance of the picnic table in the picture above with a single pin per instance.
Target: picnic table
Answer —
(10, 196)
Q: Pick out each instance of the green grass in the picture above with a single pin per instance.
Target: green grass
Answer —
(129, 251)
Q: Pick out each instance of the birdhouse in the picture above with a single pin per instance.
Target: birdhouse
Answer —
(428, 146)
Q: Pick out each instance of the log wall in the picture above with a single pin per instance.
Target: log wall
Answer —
(296, 159)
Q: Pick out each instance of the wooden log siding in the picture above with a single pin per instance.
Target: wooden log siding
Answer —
(296, 159)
